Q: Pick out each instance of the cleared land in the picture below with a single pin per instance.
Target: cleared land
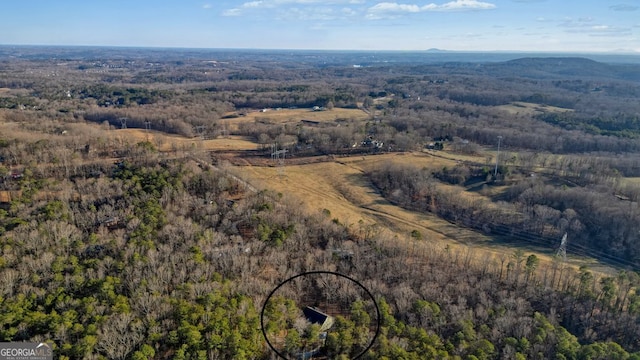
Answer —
(166, 142)
(341, 188)
(338, 185)
(285, 116)
(520, 107)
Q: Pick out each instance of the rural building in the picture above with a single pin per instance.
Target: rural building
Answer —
(310, 122)
(315, 316)
(372, 143)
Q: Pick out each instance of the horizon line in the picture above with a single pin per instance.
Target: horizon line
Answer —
(430, 50)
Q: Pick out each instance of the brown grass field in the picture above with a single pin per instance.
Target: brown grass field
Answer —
(341, 187)
(165, 142)
(631, 180)
(338, 185)
(519, 107)
(287, 116)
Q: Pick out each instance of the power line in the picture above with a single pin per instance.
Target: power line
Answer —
(147, 127)
(518, 234)
(576, 249)
(495, 173)
(278, 157)
(562, 250)
(200, 131)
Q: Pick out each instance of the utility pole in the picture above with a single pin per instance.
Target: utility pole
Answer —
(147, 127)
(562, 250)
(200, 131)
(495, 172)
(275, 157)
(224, 130)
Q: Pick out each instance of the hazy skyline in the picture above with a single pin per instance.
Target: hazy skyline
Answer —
(474, 25)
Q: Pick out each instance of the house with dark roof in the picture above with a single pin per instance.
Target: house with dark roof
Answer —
(315, 316)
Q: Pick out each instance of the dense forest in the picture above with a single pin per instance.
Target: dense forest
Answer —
(123, 248)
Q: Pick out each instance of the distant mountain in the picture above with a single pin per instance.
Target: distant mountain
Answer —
(553, 67)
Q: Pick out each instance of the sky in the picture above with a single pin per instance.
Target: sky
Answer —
(464, 25)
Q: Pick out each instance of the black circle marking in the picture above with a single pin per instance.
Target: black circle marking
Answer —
(375, 304)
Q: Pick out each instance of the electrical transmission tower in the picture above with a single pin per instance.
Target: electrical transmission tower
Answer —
(562, 250)
(147, 127)
(278, 156)
(495, 173)
(225, 134)
(200, 130)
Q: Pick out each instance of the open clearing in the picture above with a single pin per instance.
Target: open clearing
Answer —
(519, 107)
(341, 188)
(631, 180)
(166, 142)
(286, 116)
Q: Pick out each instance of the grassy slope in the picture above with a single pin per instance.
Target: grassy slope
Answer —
(341, 187)
(338, 186)
(520, 107)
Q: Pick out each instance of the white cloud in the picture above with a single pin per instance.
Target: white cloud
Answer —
(348, 11)
(332, 10)
(239, 10)
(206, 6)
(623, 7)
(287, 4)
(582, 22)
(470, 35)
(252, 4)
(394, 7)
(319, 14)
(606, 30)
(391, 10)
(588, 26)
(463, 5)
(232, 12)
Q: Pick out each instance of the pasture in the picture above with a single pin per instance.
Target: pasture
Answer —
(526, 108)
(291, 116)
(340, 188)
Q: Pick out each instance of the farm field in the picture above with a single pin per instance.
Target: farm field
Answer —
(337, 185)
(167, 142)
(521, 107)
(163, 141)
(341, 188)
(287, 116)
